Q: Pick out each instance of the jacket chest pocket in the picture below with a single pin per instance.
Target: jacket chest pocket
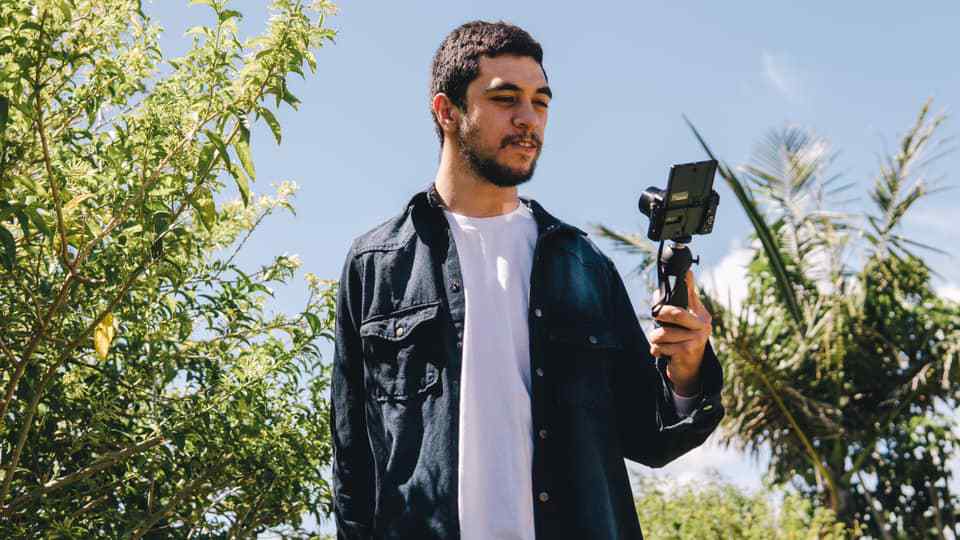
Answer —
(402, 351)
(582, 365)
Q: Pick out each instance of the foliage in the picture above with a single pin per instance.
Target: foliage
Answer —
(842, 359)
(146, 389)
(718, 510)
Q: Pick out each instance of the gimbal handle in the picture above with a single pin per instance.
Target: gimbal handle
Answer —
(674, 262)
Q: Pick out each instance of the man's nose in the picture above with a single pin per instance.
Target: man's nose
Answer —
(525, 117)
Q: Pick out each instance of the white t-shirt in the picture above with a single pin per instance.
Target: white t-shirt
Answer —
(495, 495)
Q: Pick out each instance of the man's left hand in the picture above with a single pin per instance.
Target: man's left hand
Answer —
(685, 342)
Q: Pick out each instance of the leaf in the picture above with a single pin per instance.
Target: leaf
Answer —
(289, 98)
(9, 255)
(65, 9)
(38, 221)
(242, 146)
(203, 162)
(202, 201)
(221, 148)
(315, 325)
(103, 336)
(228, 14)
(272, 122)
(74, 202)
(244, 188)
(203, 3)
(24, 222)
(4, 113)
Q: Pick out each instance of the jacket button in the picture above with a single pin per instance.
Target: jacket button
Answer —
(544, 497)
(543, 434)
(459, 344)
(592, 339)
(399, 330)
(455, 286)
(538, 313)
(539, 372)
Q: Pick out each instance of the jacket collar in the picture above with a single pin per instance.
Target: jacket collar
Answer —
(430, 199)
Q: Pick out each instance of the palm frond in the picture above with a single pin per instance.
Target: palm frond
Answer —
(631, 243)
(771, 246)
(898, 188)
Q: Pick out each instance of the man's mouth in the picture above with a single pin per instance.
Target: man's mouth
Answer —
(526, 144)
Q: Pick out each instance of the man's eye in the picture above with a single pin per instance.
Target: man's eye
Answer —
(504, 99)
(543, 104)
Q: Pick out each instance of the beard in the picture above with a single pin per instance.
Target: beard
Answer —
(485, 164)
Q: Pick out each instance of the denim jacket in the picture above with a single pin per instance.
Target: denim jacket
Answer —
(598, 396)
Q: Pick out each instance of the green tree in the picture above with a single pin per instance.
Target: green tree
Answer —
(716, 510)
(145, 388)
(842, 359)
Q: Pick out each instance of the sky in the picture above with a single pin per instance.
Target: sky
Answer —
(622, 74)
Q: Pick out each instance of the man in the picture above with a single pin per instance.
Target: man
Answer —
(490, 375)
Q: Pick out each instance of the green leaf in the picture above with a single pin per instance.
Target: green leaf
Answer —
(243, 185)
(289, 98)
(202, 202)
(38, 220)
(315, 324)
(24, 222)
(9, 255)
(221, 148)
(242, 146)
(203, 3)
(203, 162)
(228, 14)
(4, 113)
(267, 115)
(65, 9)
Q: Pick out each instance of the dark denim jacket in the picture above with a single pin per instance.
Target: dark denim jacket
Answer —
(597, 395)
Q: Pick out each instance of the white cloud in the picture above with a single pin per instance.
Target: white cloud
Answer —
(950, 291)
(727, 280)
(783, 75)
(706, 462)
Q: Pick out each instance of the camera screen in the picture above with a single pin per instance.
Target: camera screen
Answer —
(688, 191)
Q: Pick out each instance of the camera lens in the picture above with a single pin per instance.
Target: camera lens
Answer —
(652, 196)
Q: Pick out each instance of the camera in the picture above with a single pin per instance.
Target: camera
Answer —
(688, 206)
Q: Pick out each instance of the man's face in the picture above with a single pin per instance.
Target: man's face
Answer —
(500, 134)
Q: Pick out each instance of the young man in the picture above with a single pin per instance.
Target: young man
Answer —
(490, 375)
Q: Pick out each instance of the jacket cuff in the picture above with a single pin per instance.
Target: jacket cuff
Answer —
(707, 411)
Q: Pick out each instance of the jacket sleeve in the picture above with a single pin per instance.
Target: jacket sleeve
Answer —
(353, 467)
(649, 428)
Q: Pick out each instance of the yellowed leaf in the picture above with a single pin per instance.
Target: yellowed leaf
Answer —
(103, 335)
(75, 202)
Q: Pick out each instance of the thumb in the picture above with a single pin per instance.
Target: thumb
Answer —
(693, 298)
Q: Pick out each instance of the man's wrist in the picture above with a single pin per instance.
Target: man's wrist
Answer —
(684, 384)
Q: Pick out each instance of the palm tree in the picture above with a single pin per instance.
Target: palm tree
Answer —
(841, 360)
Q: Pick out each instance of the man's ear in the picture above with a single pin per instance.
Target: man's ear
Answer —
(446, 113)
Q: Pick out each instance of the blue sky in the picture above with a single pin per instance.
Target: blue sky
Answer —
(622, 73)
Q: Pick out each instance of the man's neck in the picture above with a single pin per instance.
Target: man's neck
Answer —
(465, 193)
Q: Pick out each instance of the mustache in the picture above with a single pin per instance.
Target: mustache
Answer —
(507, 141)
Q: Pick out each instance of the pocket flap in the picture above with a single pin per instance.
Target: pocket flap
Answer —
(589, 338)
(399, 324)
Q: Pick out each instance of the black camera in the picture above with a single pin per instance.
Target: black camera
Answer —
(687, 207)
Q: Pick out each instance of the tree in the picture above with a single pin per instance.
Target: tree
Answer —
(717, 510)
(842, 359)
(147, 391)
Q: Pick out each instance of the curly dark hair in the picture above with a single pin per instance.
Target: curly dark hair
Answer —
(457, 61)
